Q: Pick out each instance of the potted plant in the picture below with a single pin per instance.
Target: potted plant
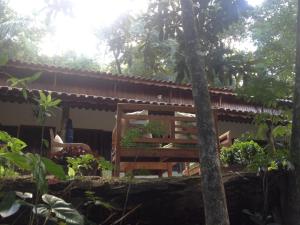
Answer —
(106, 168)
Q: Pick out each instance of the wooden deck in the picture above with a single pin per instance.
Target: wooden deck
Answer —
(177, 144)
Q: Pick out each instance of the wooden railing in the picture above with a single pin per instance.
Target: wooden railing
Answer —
(178, 143)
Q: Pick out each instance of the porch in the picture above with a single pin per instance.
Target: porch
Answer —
(157, 137)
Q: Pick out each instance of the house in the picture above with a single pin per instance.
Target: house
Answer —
(90, 99)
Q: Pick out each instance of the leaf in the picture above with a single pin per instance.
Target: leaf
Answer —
(4, 136)
(9, 205)
(39, 173)
(60, 209)
(54, 169)
(19, 160)
(12, 210)
(34, 77)
(43, 97)
(7, 201)
(71, 172)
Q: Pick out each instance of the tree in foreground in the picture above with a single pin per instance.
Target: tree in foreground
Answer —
(212, 186)
(293, 211)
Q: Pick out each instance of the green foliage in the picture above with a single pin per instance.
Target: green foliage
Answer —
(53, 208)
(23, 82)
(270, 160)
(57, 209)
(156, 128)
(78, 165)
(46, 106)
(12, 144)
(7, 171)
(151, 44)
(240, 153)
(19, 35)
(265, 90)
(128, 140)
(251, 156)
(276, 47)
(86, 164)
(11, 153)
(104, 164)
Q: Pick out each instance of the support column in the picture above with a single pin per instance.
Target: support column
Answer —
(65, 116)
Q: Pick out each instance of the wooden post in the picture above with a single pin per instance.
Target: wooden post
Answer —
(118, 141)
(64, 118)
(170, 169)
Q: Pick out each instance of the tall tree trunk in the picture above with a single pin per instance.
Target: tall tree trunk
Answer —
(117, 61)
(212, 185)
(293, 201)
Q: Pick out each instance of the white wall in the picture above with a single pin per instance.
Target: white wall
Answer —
(21, 114)
(14, 114)
(92, 119)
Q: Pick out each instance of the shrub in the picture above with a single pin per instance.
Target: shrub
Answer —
(240, 153)
(86, 165)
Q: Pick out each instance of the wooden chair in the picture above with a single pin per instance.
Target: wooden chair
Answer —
(55, 144)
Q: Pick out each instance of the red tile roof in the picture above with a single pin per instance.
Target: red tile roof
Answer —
(109, 76)
(229, 104)
(109, 103)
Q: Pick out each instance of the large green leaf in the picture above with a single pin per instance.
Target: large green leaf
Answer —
(53, 168)
(61, 209)
(18, 159)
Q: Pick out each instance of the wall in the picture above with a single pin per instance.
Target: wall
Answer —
(14, 114)
(21, 114)
(92, 119)
(237, 129)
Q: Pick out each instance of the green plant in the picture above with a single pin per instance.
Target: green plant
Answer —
(53, 209)
(250, 155)
(56, 209)
(270, 160)
(128, 139)
(240, 153)
(23, 82)
(10, 145)
(81, 164)
(156, 128)
(104, 164)
(45, 107)
(38, 166)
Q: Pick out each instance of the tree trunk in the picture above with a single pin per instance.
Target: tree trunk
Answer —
(118, 64)
(293, 201)
(212, 186)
